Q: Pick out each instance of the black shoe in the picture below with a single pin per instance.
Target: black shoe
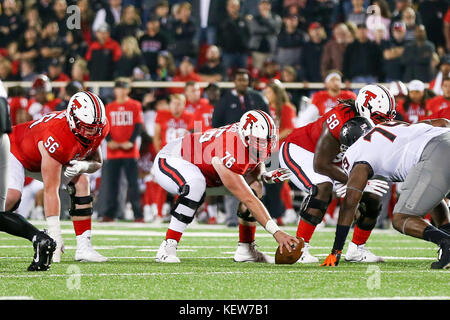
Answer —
(44, 246)
(444, 256)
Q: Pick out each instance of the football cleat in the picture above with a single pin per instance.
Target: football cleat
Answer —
(306, 256)
(44, 246)
(85, 252)
(359, 253)
(167, 252)
(247, 252)
(290, 217)
(443, 256)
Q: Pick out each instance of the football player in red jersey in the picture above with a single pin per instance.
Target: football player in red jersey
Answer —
(10, 222)
(313, 154)
(230, 156)
(61, 148)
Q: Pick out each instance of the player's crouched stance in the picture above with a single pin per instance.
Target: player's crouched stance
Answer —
(61, 148)
(416, 155)
(231, 156)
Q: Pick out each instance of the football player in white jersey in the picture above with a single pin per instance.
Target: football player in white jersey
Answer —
(418, 156)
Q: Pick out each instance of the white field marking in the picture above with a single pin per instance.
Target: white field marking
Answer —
(16, 298)
(190, 273)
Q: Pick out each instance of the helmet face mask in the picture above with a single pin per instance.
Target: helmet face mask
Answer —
(86, 116)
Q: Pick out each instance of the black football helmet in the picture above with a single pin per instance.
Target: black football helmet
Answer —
(352, 130)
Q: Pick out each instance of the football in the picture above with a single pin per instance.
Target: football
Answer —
(290, 257)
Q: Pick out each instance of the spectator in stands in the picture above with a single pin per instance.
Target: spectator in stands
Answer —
(270, 71)
(132, 62)
(166, 69)
(325, 100)
(129, 25)
(380, 14)
(51, 45)
(183, 33)
(409, 18)
(289, 74)
(186, 73)
(194, 100)
(432, 13)
(393, 65)
(27, 70)
(212, 70)
(333, 50)
(110, 15)
(55, 72)
(447, 30)
(362, 59)
(162, 12)
(28, 47)
(264, 29)
(290, 43)
(312, 53)
(126, 122)
(152, 42)
(87, 17)
(11, 23)
(5, 70)
(358, 15)
(418, 56)
(75, 47)
(444, 72)
(413, 108)
(231, 106)
(80, 71)
(18, 103)
(41, 100)
(233, 36)
(437, 103)
(32, 19)
(102, 55)
(60, 15)
(212, 93)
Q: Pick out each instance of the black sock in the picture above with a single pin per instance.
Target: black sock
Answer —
(434, 235)
(445, 228)
(17, 225)
(341, 235)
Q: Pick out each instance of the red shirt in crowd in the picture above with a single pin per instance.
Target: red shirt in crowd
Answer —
(193, 106)
(37, 110)
(325, 102)
(190, 77)
(171, 127)
(203, 117)
(286, 120)
(109, 44)
(415, 112)
(435, 104)
(122, 118)
(16, 103)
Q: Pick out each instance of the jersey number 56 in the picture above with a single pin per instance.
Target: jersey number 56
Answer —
(51, 145)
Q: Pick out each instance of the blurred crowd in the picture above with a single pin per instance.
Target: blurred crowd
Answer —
(257, 44)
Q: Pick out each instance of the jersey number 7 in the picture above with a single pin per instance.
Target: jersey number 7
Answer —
(387, 134)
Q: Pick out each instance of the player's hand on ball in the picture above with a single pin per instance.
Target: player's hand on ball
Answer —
(75, 168)
(285, 241)
(333, 259)
(276, 176)
(291, 257)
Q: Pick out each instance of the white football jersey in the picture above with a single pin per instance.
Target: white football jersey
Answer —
(391, 148)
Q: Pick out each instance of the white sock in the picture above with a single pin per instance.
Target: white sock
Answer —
(54, 226)
(212, 210)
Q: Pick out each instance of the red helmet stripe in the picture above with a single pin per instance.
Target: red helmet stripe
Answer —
(269, 123)
(98, 110)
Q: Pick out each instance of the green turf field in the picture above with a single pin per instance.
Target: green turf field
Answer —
(208, 272)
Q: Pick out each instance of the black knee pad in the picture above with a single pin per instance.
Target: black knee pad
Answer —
(370, 209)
(182, 199)
(246, 216)
(311, 202)
(74, 200)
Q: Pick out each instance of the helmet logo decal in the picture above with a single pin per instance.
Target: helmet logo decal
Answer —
(369, 96)
(77, 103)
(250, 120)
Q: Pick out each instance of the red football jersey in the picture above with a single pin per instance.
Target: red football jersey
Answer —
(325, 102)
(435, 104)
(54, 131)
(122, 118)
(203, 117)
(307, 136)
(199, 148)
(171, 127)
(414, 113)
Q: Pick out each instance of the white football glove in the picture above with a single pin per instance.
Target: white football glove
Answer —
(75, 168)
(375, 186)
(276, 176)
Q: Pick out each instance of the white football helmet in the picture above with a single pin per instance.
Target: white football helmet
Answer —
(86, 116)
(376, 103)
(259, 133)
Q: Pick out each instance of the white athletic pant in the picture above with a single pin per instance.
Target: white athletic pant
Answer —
(4, 164)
